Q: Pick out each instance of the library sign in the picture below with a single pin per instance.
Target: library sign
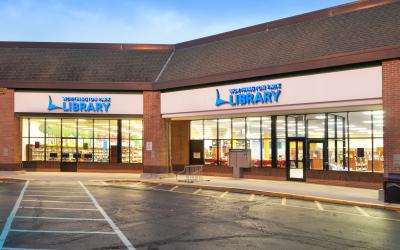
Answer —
(258, 94)
(86, 104)
(78, 103)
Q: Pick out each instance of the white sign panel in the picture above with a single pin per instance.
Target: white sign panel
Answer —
(332, 87)
(78, 103)
(149, 146)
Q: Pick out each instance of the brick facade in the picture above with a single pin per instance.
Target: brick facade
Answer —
(10, 132)
(180, 142)
(156, 133)
(391, 107)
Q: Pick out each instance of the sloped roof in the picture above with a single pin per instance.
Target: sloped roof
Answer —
(319, 37)
(357, 32)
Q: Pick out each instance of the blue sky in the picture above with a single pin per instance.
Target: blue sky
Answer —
(139, 21)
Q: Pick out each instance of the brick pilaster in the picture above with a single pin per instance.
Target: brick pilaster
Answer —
(10, 132)
(156, 132)
(391, 107)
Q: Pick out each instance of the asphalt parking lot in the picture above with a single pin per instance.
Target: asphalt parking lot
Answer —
(98, 215)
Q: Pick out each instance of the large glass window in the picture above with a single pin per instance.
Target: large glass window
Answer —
(354, 139)
(224, 129)
(239, 128)
(196, 130)
(83, 140)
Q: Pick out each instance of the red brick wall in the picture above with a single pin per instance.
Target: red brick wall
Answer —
(10, 132)
(155, 131)
(391, 107)
(180, 142)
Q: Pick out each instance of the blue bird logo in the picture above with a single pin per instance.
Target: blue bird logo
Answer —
(51, 106)
(218, 100)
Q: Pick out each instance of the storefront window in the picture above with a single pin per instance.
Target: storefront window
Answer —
(316, 125)
(73, 140)
(238, 128)
(101, 128)
(196, 130)
(69, 127)
(85, 128)
(113, 129)
(280, 127)
(266, 153)
(53, 149)
(266, 127)
(136, 150)
(354, 139)
(210, 129)
(360, 154)
(224, 146)
(36, 127)
(210, 152)
(224, 129)
(37, 149)
(253, 127)
(255, 147)
(101, 149)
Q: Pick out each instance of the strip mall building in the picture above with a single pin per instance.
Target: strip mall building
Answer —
(315, 97)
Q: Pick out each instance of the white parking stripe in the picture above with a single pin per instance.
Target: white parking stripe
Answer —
(251, 198)
(58, 218)
(13, 248)
(10, 218)
(319, 206)
(66, 196)
(172, 189)
(223, 194)
(362, 211)
(53, 191)
(61, 208)
(49, 201)
(197, 191)
(283, 201)
(59, 232)
(123, 238)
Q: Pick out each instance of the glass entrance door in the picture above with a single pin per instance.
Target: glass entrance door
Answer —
(295, 166)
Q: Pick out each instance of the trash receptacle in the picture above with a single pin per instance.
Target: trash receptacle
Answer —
(392, 188)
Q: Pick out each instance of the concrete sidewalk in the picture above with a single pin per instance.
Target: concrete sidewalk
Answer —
(300, 190)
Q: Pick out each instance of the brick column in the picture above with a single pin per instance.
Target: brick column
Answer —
(10, 132)
(391, 107)
(156, 133)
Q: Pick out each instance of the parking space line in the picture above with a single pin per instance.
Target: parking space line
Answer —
(58, 218)
(13, 248)
(53, 191)
(10, 218)
(251, 198)
(197, 191)
(123, 238)
(59, 231)
(319, 206)
(61, 208)
(50, 201)
(172, 189)
(362, 211)
(66, 196)
(223, 194)
(283, 202)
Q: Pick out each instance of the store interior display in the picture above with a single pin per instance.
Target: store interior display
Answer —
(82, 140)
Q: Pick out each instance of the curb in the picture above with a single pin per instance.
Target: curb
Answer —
(267, 193)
